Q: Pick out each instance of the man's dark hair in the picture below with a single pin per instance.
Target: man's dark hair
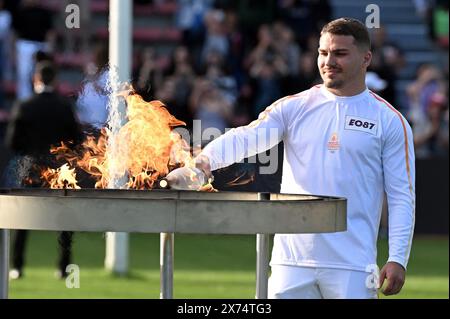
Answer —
(46, 71)
(349, 26)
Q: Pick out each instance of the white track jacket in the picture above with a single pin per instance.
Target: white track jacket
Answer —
(356, 147)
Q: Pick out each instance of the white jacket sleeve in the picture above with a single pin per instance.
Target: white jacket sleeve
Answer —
(246, 141)
(399, 183)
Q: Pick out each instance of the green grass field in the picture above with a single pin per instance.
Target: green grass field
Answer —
(205, 267)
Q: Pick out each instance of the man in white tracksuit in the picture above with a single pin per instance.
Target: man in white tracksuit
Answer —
(340, 139)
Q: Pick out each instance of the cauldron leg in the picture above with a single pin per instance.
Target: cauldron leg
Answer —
(4, 263)
(166, 265)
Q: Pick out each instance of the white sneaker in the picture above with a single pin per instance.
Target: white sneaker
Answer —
(15, 274)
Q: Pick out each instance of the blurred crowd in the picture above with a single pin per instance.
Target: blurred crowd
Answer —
(428, 109)
(236, 57)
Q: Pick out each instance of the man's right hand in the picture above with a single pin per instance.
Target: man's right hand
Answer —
(202, 163)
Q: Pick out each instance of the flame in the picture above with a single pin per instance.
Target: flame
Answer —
(148, 148)
(146, 140)
(63, 177)
(242, 179)
(91, 157)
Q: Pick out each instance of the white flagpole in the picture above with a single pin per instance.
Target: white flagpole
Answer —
(120, 47)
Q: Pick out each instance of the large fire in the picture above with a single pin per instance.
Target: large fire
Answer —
(148, 149)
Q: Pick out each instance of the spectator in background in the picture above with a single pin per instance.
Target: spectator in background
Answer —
(286, 46)
(302, 74)
(422, 7)
(34, 28)
(311, 44)
(148, 75)
(175, 99)
(306, 77)
(5, 25)
(308, 74)
(209, 105)
(298, 16)
(217, 73)
(288, 49)
(236, 42)
(190, 20)
(304, 17)
(12, 5)
(8, 49)
(44, 120)
(322, 12)
(267, 75)
(92, 102)
(387, 61)
(253, 14)
(439, 26)
(181, 62)
(438, 114)
(243, 112)
(440, 31)
(427, 105)
(175, 90)
(265, 41)
(266, 68)
(216, 36)
(435, 14)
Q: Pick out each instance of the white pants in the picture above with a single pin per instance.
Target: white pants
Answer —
(294, 282)
(25, 51)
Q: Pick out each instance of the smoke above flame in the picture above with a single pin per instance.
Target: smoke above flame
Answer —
(147, 148)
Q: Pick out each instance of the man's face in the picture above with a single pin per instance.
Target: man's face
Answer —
(341, 63)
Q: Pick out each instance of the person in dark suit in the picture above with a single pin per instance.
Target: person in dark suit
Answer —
(43, 120)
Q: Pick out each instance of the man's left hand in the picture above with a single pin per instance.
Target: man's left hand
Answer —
(395, 275)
